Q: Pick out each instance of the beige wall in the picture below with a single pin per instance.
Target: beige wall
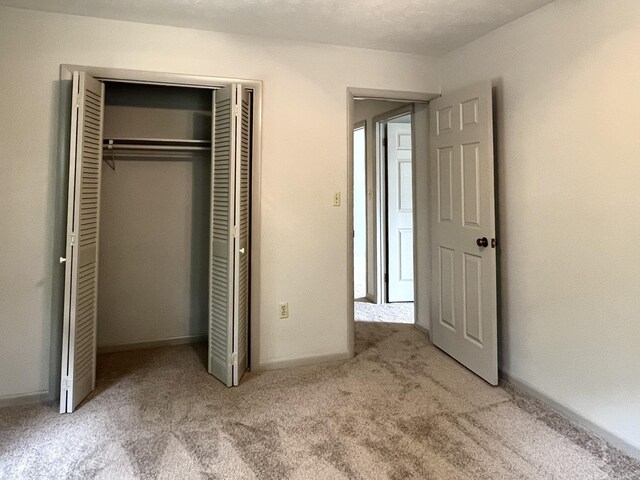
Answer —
(304, 160)
(154, 250)
(422, 252)
(567, 83)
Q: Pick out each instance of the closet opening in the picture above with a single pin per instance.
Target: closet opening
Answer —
(158, 225)
(154, 217)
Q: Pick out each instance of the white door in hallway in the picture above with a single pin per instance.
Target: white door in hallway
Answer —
(399, 213)
(464, 284)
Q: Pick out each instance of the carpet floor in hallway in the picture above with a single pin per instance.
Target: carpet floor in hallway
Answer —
(400, 409)
(365, 311)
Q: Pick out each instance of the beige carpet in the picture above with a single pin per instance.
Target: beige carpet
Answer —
(401, 409)
(365, 311)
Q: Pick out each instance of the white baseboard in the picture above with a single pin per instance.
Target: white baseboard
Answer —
(25, 399)
(300, 362)
(152, 344)
(571, 414)
(423, 329)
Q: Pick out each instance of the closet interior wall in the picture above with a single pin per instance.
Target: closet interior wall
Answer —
(155, 213)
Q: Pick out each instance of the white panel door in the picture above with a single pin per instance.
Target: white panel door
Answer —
(464, 285)
(83, 218)
(230, 221)
(399, 213)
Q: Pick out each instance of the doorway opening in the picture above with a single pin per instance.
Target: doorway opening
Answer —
(383, 211)
(453, 223)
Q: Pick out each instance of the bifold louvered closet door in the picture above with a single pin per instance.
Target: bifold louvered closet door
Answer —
(229, 237)
(243, 199)
(83, 212)
(230, 200)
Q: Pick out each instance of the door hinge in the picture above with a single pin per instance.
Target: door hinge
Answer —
(72, 239)
(386, 278)
(234, 359)
(494, 243)
(235, 231)
(66, 383)
(236, 109)
(384, 142)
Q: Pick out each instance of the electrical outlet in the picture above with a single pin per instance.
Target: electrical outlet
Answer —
(337, 200)
(284, 309)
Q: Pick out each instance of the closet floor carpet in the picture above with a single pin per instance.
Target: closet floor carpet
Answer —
(400, 409)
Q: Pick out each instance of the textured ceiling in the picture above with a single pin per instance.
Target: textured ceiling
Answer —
(430, 27)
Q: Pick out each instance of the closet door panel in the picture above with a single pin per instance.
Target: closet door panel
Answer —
(80, 304)
(221, 299)
(243, 199)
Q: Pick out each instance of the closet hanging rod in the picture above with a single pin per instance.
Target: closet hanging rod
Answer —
(154, 141)
(156, 144)
(175, 148)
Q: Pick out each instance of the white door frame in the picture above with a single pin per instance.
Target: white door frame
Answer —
(354, 93)
(192, 81)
